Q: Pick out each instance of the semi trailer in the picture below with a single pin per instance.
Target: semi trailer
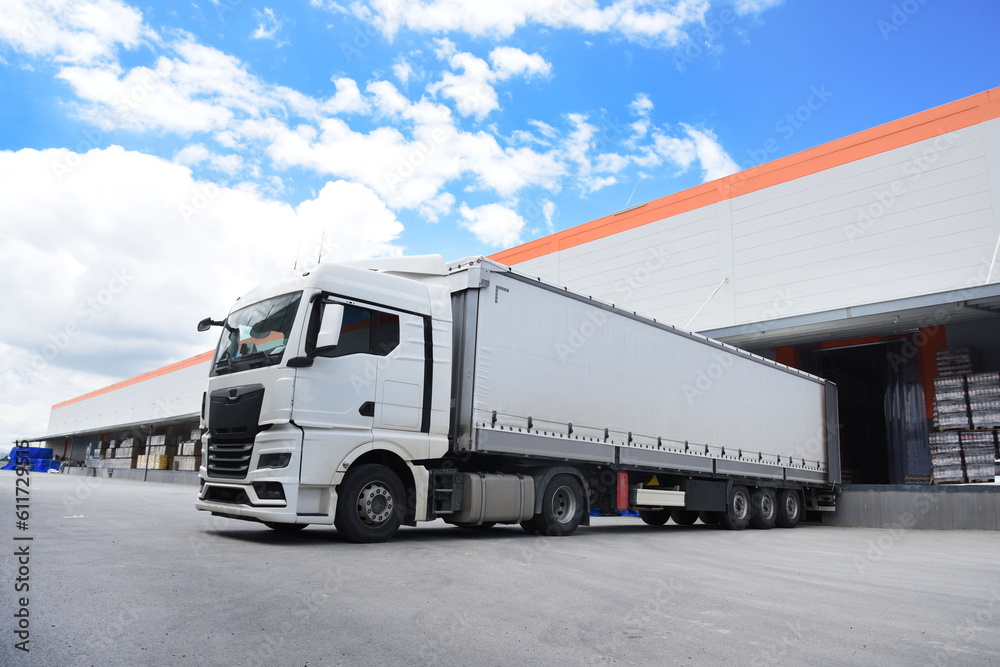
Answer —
(374, 394)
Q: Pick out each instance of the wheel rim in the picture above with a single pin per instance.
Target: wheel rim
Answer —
(375, 504)
(767, 506)
(791, 506)
(563, 504)
(740, 506)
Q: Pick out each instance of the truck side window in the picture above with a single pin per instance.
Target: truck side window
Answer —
(357, 336)
(355, 333)
(386, 334)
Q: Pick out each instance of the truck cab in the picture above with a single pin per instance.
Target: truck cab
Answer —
(323, 373)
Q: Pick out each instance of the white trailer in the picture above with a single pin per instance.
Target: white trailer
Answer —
(404, 390)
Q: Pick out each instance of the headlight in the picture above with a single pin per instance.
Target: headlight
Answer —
(274, 460)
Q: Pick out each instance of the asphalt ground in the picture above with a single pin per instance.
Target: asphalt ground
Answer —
(129, 573)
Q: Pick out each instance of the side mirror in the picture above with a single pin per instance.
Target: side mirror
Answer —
(331, 321)
(206, 324)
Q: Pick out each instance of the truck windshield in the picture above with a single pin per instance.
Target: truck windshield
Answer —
(256, 336)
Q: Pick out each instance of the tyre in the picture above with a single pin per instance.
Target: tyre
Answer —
(285, 528)
(764, 505)
(789, 509)
(654, 517)
(370, 505)
(709, 518)
(529, 527)
(738, 510)
(683, 517)
(562, 506)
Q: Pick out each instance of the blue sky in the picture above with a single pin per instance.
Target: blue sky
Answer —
(195, 149)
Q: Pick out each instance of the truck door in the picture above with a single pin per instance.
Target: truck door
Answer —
(334, 399)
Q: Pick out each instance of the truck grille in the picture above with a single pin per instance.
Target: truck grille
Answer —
(230, 460)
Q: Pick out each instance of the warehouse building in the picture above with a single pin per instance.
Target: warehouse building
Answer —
(860, 260)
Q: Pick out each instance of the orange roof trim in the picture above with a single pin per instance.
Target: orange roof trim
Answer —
(159, 372)
(928, 124)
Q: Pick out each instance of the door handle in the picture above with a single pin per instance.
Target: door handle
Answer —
(367, 409)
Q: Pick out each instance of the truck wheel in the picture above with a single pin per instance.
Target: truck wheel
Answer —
(709, 518)
(683, 517)
(738, 512)
(654, 517)
(562, 506)
(530, 527)
(286, 528)
(789, 509)
(765, 509)
(370, 504)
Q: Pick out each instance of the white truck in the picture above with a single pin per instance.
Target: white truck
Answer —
(382, 393)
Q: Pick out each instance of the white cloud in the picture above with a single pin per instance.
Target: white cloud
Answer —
(641, 106)
(509, 62)
(656, 22)
(472, 89)
(678, 150)
(544, 128)
(433, 209)
(495, 225)
(744, 7)
(715, 162)
(268, 25)
(403, 71)
(99, 250)
(577, 149)
(698, 145)
(194, 155)
(548, 210)
(82, 32)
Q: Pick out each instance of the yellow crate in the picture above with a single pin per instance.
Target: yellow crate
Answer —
(152, 462)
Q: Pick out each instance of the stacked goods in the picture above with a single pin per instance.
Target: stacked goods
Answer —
(984, 399)
(977, 456)
(189, 448)
(187, 462)
(162, 450)
(946, 457)
(996, 449)
(152, 462)
(951, 411)
(954, 361)
(125, 452)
